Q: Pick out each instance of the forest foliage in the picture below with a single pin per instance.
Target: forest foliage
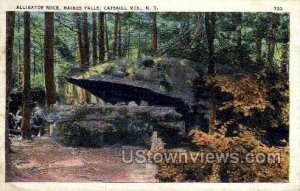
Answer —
(179, 35)
(241, 87)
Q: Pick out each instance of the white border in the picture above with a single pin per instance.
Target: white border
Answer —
(291, 6)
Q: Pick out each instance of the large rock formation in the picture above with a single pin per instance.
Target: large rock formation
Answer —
(160, 81)
(165, 84)
(96, 126)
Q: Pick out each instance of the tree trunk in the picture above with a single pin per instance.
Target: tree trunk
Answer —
(128, 44)
(75, 94)
(115, 42)
(25, 127)
(94, 38)
(101, 38)
(51, 95)
(79, 37)
(20, 70)
(139, 41)
(272, 41)
(258, 49)
(106, 39)
(239, 38)
(210, 33)
(85, 39)
(10, 23)
(85, 96)
(153, 34)
(120, 51)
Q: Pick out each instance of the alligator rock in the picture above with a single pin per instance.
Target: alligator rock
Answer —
(164, 82)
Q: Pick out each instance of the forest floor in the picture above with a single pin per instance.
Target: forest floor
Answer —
(42, 160)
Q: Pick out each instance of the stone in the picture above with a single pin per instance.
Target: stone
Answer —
(120, 103)
(132, 103)
(160, 81)
(119, 73)
(97, 126)
(143, 103)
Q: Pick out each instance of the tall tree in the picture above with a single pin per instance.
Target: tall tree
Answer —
(101, 40)
(10, 23)
(120, 51)
(272, 40)
(94, 37)
(25, 127)
(115, 42)
(51, 96)
(20, 67)
(83, 45)
(85, 39)
(210, 33)
(210, 21)
(106, 38)
(139, 39)
(153, 33)
(77, 18)
(86, 50)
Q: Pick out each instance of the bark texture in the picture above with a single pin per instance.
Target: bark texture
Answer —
(51, 96)
(85, 39)
(101, 40)
(153, 33)
(210, 33)
(77, 17)
(94, 38)
(10, 23)
(115, 42)
(26, 127)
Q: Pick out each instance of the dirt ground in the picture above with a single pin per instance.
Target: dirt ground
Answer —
(42, 160)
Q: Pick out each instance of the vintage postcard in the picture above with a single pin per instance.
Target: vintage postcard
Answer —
(150, 95)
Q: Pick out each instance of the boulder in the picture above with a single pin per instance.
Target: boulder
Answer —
(159, 81)
(97, 126)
